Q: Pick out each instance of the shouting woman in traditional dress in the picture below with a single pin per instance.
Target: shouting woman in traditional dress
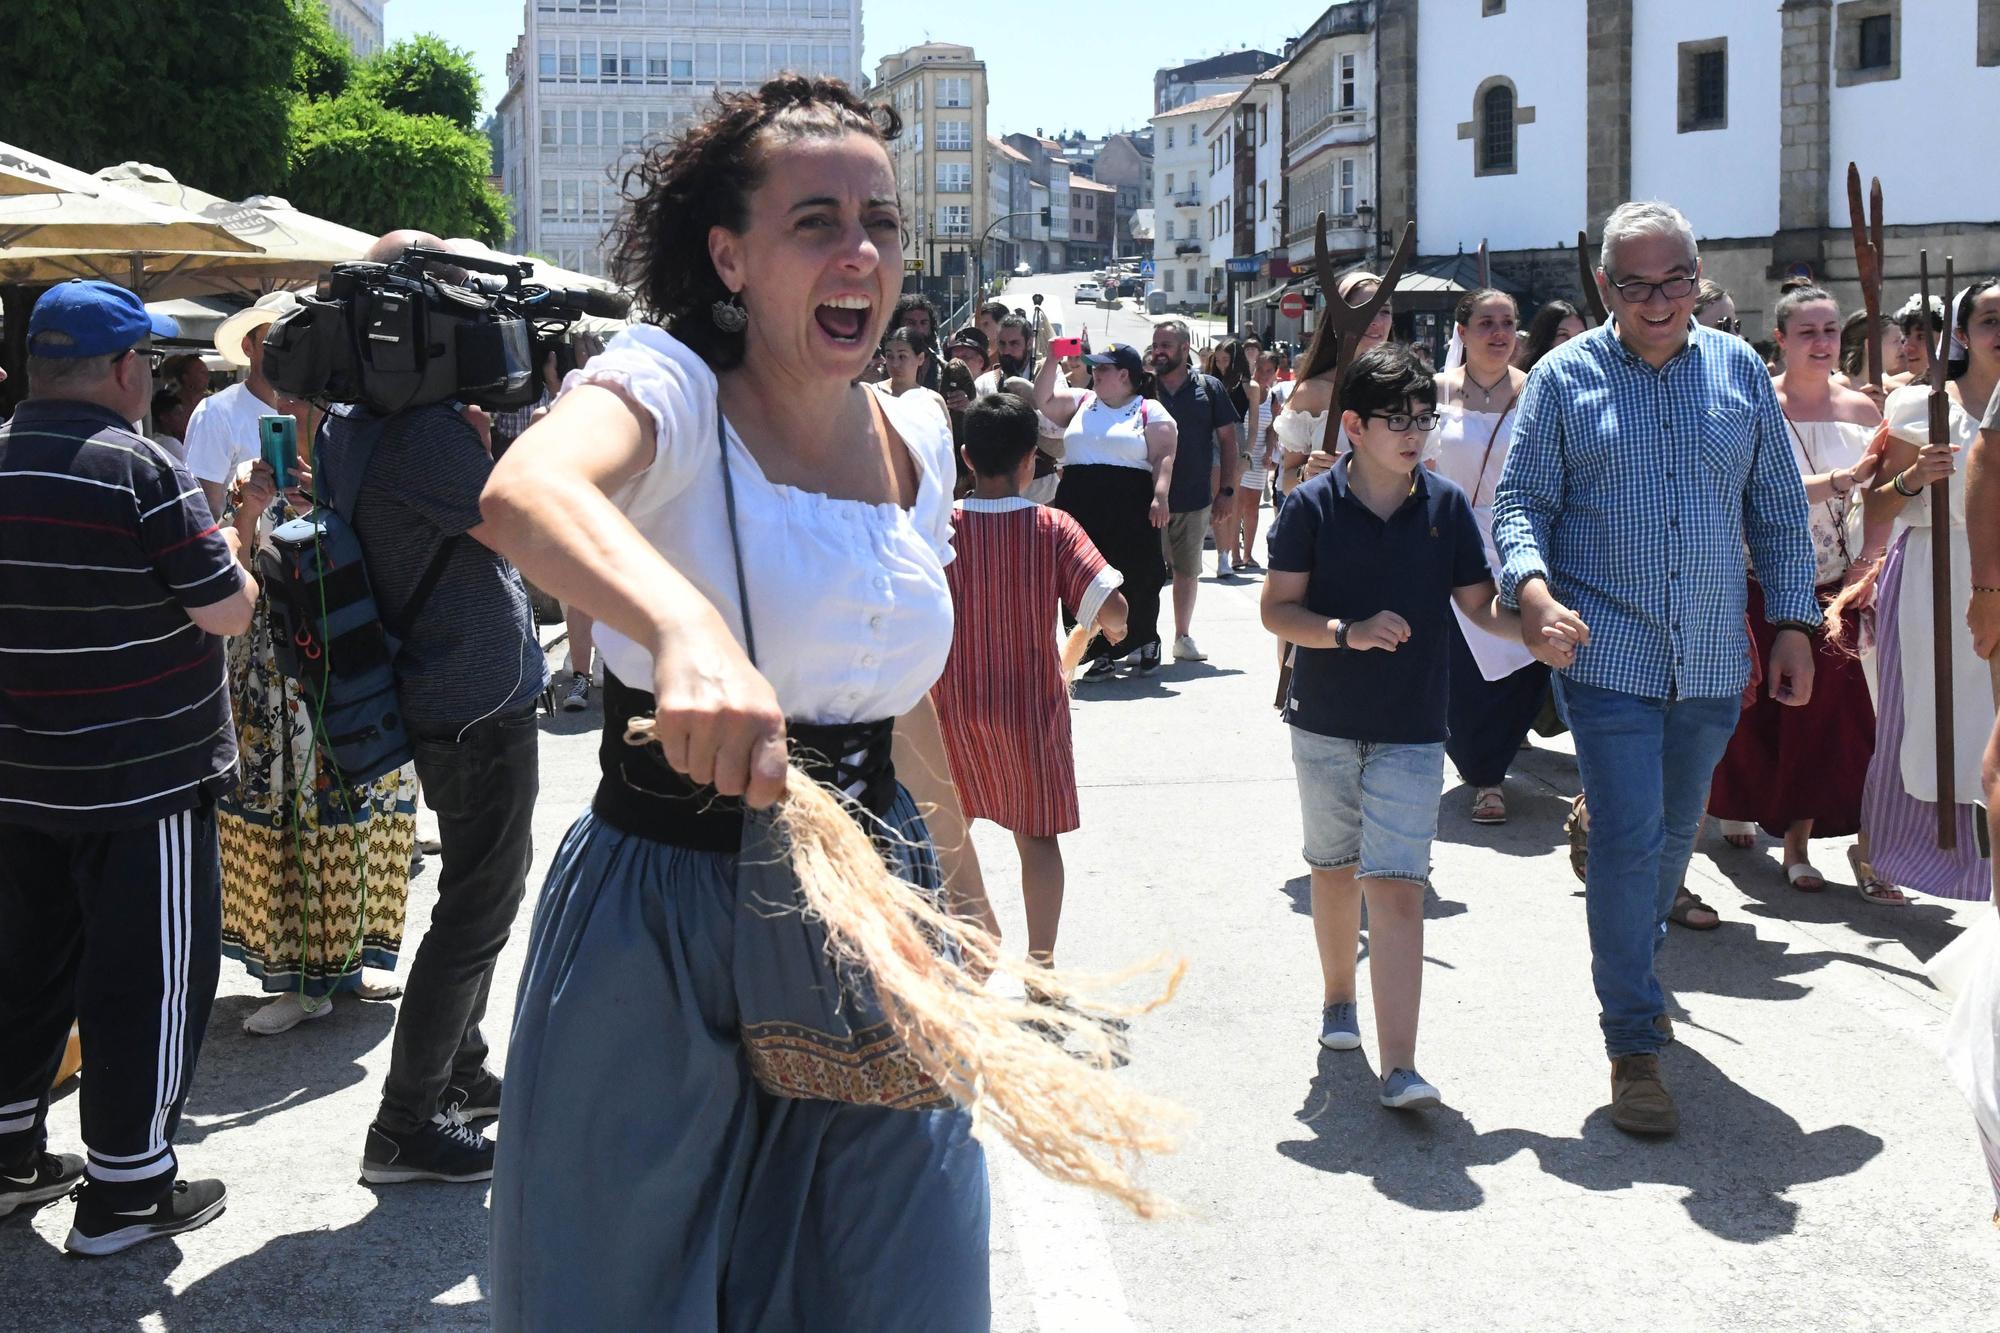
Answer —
(1898, 805)
(1497, 686)
(1797, 772)
(762, 539)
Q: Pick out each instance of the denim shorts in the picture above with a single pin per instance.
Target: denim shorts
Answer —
(1371, 804)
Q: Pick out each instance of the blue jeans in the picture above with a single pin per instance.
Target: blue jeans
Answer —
(1646, 767)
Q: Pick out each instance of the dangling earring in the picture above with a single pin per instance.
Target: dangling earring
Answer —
(729, 315)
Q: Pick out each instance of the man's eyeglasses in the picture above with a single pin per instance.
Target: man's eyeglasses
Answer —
(1402, 421)
(1638, 293)
(155, 357)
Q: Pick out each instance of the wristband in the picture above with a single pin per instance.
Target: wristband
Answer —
(1838, 493)
(1801, 626)
(1340, 634)
(1897, 483)
(1989, 591)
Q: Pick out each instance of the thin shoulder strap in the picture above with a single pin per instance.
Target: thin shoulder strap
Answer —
(735, 539)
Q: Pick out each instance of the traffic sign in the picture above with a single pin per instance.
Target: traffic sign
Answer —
(913, 266)
(1146, 269)
(1292, 305)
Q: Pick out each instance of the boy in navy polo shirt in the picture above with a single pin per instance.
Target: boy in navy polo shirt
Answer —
(1366, 560)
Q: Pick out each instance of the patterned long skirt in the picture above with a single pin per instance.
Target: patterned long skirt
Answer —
(315, 877)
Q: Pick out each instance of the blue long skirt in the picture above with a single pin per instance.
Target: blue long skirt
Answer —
(643, 1178)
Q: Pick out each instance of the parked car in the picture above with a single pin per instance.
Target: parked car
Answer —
(1088, 293)
(1024, 270)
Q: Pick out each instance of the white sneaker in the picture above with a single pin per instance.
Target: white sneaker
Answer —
(285, 1013)
(1222, 568)
(1185, 651)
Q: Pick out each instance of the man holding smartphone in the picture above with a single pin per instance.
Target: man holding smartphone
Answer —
(1206, 468)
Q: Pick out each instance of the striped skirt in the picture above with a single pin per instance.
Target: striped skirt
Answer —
(1902, 830)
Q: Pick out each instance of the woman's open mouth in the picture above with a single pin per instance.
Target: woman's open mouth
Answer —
(842, 318)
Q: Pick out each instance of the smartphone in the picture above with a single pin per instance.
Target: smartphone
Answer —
(1059, 348)
(279, 437)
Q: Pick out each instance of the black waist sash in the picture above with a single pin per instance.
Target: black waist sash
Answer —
(640, 794)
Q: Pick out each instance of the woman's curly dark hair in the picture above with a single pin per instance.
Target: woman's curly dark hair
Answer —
(703, 178)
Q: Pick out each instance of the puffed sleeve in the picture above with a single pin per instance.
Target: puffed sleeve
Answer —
(676, 388)
(1300, 432)
(920, 418)
(1907, 414)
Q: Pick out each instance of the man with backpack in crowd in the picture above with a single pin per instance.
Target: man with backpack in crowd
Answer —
(469, 672)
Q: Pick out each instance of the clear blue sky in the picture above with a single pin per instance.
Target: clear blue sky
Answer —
(1053, 64)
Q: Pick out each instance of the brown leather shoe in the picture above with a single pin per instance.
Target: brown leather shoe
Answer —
(1640, 1103)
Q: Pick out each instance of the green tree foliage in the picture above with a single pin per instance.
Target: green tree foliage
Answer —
(360, 163)
(322, 64)
(200, 87)
(422, 76)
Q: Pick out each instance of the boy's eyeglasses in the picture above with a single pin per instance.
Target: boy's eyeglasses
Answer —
(1401, 421)
(156, 357)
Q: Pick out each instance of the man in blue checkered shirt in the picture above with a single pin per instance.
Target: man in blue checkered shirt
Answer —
(1647, 456)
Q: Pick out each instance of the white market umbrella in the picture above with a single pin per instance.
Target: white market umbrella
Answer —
(86, 214)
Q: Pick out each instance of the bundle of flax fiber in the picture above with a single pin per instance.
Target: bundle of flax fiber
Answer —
(1064, 1110)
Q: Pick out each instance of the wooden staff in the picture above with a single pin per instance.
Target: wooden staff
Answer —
(1868, 260)
(1941, 598)
(1339, 332)
(1593, 311)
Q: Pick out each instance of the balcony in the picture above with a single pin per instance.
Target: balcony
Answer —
(1186, 199)
(1189, 247)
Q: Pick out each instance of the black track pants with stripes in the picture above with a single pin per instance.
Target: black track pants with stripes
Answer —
(120, 932)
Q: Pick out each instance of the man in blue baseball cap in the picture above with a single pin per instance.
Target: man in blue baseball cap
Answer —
(116, 586)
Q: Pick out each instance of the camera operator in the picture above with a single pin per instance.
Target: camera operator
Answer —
(468, 674)
(115, 737)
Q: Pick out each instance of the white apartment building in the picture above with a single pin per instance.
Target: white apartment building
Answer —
(1181, 198)
(1329, 159)
(360, 22)
(1536, 117)
(592, 81)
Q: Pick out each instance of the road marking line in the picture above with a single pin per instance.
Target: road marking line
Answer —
(1064, 1251)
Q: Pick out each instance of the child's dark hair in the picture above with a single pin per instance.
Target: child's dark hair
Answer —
(1386, 379)
(1000, 431)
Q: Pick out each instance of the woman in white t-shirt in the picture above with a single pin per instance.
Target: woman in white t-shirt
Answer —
(1118, 458)
(763, 542)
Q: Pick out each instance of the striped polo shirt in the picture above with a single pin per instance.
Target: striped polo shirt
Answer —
(114, 706)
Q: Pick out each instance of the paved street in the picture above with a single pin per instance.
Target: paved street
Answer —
(1127, 322)
(1827, 1176)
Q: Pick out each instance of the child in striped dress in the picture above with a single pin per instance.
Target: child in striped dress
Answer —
(1002, 699)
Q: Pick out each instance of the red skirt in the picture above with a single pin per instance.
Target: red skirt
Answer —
(1786, 764)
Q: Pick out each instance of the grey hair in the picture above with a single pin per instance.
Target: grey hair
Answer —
(46, 373)
(1179, 328)
(1629, 222)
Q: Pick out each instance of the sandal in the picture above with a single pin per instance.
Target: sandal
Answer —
(1871, 887)
(1801, 876)
(1489, 806)
(1577, 828)
(1685, 909)
(1739, 833)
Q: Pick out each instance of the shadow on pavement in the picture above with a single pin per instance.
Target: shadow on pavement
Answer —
(1534, 820)
(1735, 1161)
(1923, 927)
(385, 1271)
(241, 1079)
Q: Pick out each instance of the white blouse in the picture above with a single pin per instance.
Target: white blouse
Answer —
(848, 598)
(1110, 436)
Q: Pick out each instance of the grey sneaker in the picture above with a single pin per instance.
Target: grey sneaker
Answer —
(1339, 1029)
(1405, 1090)
(577, 697)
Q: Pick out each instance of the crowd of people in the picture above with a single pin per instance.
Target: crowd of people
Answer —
(1700, 558)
